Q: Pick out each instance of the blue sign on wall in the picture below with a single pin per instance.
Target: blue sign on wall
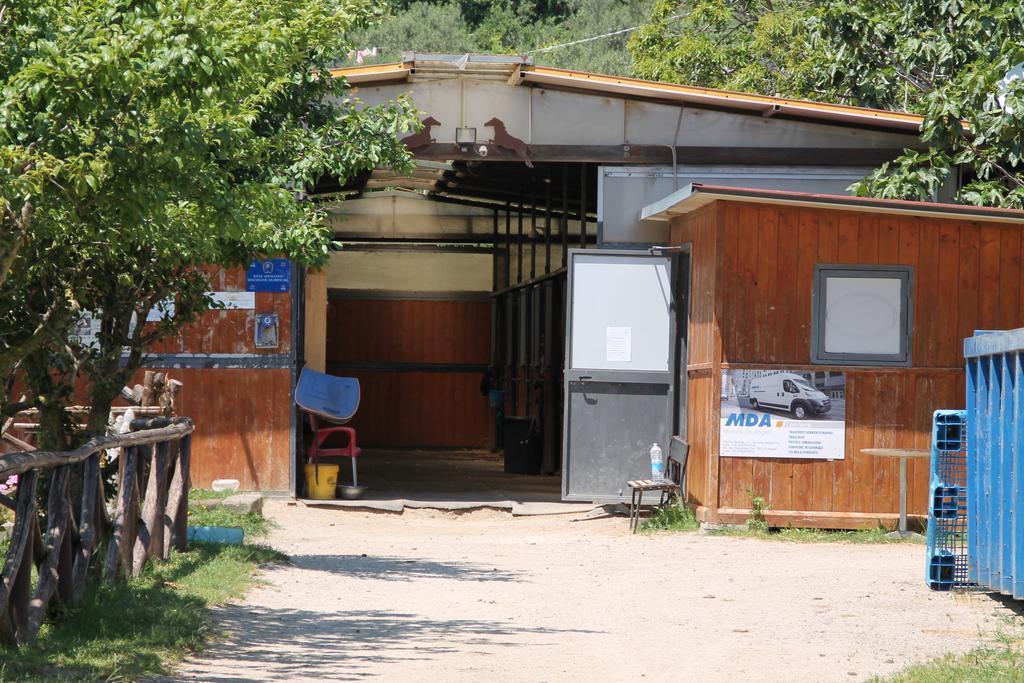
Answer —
(273, 275)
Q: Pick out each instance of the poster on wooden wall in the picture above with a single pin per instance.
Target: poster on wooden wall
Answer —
(783, 414)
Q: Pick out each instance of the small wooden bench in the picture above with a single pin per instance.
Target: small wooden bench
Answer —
(670, 487)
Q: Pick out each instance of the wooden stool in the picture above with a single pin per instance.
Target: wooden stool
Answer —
(669, 487)
(668, 490)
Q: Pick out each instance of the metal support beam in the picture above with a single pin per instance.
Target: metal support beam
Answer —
(547, 225)
(533, 229)
(519, 245)
(565, 215)
(662, 154)
(508, 244)
(583, 206)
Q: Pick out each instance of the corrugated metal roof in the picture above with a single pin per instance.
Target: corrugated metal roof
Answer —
(635, 88)
(696, 195)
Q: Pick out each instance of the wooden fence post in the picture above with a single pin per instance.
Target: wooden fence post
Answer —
(64, 556)
(55, 554)
(90, 521)
(16, 579)
(123, 531)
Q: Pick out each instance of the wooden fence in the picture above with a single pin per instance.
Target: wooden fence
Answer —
(147, 522)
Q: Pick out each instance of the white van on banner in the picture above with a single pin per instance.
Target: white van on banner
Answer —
(783, 414)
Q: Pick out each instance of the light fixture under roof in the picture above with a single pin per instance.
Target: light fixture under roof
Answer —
(465, 138)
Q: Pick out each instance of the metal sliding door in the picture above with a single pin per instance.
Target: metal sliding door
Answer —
(618, 371)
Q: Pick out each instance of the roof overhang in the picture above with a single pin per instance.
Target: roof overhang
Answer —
(375, 74)
(696, 195)
(725, 99)
(519, 70)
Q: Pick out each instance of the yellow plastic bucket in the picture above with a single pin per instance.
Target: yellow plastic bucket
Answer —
(321, 481)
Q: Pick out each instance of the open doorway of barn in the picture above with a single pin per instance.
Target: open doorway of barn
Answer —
(445, 297)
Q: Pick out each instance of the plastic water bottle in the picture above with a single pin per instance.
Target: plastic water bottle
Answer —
(657, 464)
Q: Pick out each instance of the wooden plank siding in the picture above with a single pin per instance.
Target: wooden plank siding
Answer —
(390, 346)
(704, 357)
(231, 331)
(243, 425)
(242, 416)
(408, 331)
(967, 276)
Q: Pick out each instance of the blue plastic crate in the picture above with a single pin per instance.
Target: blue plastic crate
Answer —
(942, 571)
(947, 505)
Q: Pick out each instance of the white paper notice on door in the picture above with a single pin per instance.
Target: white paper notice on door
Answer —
(618, 344)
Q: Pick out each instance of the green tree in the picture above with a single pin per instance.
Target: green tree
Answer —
(948, 61)
(505, 27)
(184, 132)
(592, 21)
(763, 46)
(945, 60)
(420, 27)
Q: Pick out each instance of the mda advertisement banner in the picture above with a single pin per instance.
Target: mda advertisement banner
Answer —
(783, 414)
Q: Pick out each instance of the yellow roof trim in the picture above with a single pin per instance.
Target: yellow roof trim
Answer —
(727, 98)
(374, 73)
(635, 87)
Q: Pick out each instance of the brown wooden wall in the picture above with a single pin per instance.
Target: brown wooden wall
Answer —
(231, 331)
(419, 363)
(242, 416)
(967, 276)
(704, 355)
(243, 425)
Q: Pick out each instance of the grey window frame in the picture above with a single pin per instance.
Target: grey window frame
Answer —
(824, 270)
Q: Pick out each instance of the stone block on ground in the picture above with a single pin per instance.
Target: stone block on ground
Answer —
(244, 503)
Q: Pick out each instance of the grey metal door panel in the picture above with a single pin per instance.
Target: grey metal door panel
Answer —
(618, 402)
(611, 427)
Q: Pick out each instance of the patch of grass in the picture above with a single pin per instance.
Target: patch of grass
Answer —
(802, 535)
(129, 629)
(758, 506)
(208, 494)
(674, 517)
(254, 525)
(1000, 661)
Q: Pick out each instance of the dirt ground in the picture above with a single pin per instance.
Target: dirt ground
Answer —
(483, 596)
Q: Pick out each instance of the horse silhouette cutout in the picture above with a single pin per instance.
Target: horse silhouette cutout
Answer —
(503, 140)
(422, 138)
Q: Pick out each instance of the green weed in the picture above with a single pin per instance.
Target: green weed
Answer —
(802, 535)
(758, 506)
(1002, 660)
(673, 517)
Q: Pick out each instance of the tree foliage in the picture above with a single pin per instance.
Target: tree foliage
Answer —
(763, 46)
(506, 27)
(943, 59)
(149, 137)
(947, 61)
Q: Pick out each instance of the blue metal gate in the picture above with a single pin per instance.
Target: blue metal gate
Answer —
(995, 460)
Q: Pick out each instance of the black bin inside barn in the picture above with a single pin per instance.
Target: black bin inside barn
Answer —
(522, 445)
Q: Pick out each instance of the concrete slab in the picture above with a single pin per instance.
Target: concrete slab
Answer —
(378, 505)
(535, 509)
(453, 481)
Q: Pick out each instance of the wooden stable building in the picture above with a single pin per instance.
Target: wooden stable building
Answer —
(515, 273)
(754, 258)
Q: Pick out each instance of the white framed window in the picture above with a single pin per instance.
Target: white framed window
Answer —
(862, 315)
